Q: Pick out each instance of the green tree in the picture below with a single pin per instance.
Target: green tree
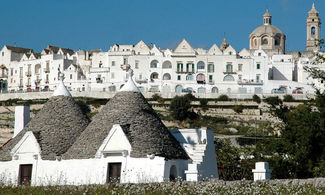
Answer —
(204, 104)
(179, 107)
(256, 98)
(238, 108)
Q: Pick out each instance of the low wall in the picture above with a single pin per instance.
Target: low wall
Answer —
(98, 94)
(318, 182)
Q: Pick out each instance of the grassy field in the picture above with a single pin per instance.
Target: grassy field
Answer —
(211, 187)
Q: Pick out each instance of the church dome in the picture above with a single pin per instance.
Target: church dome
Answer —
(266, 29)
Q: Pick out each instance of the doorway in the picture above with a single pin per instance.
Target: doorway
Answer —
(25, 174)
(113, 172)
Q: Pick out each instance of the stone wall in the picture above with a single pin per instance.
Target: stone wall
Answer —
(318, 182)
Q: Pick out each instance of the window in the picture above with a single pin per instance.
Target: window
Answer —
(258, 66)
(112, 75)
(229, 68)
(215, 90)
(166, 76)
(239, 77)
(136, 64)
(240, 67)
(11, 71)
(100, 64)
(113, 63)
(200, 65)
(313, 31)
(125, 61)
(189, 77)
(180, 67)
(179, 77)
(154, 75)
(154, 64)
(210, 78)
(228, 78)
(210, 67)
(265, 41)
(258, 78)
(3, 53)
(167, 65)
(70, 76)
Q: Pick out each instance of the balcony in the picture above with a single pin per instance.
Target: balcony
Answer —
(28, 74)
(99, 80)
(250, 82)
(46, 81)
(3, 75)
(20, 86)
(125, 66)
(47, 70)
(229, 72)
(211, 82)
(140, 81)
(184, 72)
(28, 85)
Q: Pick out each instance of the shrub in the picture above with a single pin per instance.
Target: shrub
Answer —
(96, 105)
(223, 98)
(204, 104)
(179, 107)
(190, 96)
(256, 98)
(288, 98)
(161, 100)
(155, 97)
(238, 108)
(273, 101)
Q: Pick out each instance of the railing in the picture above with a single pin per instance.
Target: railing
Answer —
(250, 82)
(98, 80)
(184, 72)
(46, 70)
(211, 82)
(228, 72)
(28, 85)
(141, 81)
(46, 81)
(29, 73)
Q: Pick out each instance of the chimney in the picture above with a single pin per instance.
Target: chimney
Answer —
(22, 117)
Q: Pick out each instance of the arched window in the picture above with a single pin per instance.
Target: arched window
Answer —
(189, 77)
(255, 42)
(154, 75)
(166, 76)
(201, 90)
(210, 67)
(167, 65)
(173, 173)
(313, 31)
(200, 78)
(265, 41)
(214, 90)
(154, 64)
(178, 89)
(229, 90)
(228, 78)
(200, 65)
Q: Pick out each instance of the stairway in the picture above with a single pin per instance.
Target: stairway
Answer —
(196, 153)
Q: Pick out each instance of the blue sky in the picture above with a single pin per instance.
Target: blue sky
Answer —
(93, 24)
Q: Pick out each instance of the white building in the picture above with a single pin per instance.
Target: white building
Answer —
(217, 70)
(126, 142)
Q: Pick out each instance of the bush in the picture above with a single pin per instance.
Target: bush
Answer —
(288, 98)
(179, 107)
(161, 100)
(273, 101)
(190, 96)
(256, 98)
(223, 98)
(238, 108)
(204, 104)
(156, 97)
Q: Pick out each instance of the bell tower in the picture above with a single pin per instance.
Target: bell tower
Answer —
(313, 30)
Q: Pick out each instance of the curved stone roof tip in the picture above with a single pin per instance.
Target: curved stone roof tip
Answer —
(56, 127)
(61, 90)
(142, 126)
(130, 86)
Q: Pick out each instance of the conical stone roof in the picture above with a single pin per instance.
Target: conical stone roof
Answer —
(142, 126)
(56, 126)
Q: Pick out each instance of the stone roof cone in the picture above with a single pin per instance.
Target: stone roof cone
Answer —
(142, 126)
(56, 126)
